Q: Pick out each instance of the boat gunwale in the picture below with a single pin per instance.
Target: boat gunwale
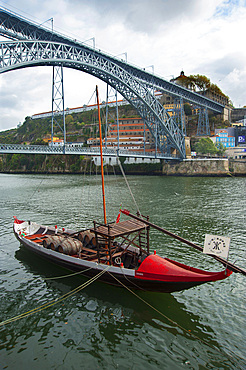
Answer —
(75, 261)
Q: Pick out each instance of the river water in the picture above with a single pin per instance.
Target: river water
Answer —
(104, 327)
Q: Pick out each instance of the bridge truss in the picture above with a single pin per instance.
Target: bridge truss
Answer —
(80, 150)
(37, 46)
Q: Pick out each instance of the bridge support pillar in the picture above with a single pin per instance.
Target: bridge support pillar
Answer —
(112, 93)
(203, 122)
(179, 114)
(58, 107)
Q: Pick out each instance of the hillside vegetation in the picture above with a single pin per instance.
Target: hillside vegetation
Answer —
(79, 126)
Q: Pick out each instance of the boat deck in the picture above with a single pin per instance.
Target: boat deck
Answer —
(119, 229)
(90, 253)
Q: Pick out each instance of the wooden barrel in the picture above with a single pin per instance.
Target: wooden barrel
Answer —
(92, 241)
(53, 241)
(70, 246)
(86, 237)
(82, 236)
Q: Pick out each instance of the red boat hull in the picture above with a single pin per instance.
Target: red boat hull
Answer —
(154, 274)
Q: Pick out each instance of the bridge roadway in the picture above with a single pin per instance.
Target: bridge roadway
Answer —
(68, 149)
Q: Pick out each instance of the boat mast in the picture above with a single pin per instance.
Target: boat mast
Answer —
(102, 173)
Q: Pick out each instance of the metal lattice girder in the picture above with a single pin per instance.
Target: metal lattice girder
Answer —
(22, 54)
(203, 128)
(179, 115)
(170, 88)
(58, 102)
(70, 149)
(19, 28)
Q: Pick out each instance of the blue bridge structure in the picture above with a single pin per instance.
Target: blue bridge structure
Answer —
(80, 150)
(30, 44)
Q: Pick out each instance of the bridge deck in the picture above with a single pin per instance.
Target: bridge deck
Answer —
(43, 149)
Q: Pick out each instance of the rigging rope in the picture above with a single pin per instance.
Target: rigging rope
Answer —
(123, 174)
(39, 185)
(82, 192)
(94, 92)
(127, 183)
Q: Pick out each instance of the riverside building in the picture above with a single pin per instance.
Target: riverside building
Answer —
(129, 134)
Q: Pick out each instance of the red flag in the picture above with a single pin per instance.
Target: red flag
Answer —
(118, 217)
(16, 221)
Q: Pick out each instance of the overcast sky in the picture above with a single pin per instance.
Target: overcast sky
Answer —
(197, 36)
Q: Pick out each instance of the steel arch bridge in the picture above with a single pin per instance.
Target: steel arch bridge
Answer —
(37, 46)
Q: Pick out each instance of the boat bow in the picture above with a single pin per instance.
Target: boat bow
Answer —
(164, 269)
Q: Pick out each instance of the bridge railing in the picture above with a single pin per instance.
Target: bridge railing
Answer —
(67, 149)
(17, 148)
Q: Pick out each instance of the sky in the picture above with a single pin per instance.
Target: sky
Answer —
(203, 37)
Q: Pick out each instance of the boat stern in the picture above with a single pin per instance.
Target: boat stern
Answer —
(23, 228)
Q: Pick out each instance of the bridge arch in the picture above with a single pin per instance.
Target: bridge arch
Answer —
(23, 54)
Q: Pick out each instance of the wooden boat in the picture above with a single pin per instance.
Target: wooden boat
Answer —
(121, 249)
(118, 252)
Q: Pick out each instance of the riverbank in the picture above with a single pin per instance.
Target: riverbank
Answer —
(220, 167)
(75, 164)
(205, 167)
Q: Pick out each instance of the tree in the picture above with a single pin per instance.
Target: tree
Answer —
(199, 83)
(69, 119)
(202, 82)
(220, 149)
(206, 146)
(187, 109)
(39, 142)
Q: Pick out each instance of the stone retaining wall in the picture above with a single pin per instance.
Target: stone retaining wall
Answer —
(197, 167)
(237, 167)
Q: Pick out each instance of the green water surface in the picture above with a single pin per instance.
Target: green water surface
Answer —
(104, 327)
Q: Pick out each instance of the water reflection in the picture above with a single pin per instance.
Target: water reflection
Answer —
(103, 317)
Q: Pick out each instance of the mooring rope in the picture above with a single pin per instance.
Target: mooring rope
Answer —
(90, 281)
(54, 277)
(68, 275)
(148, 304)
(55, 301)
(172, 321)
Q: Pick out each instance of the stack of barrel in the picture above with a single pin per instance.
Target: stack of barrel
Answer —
(87, 238)
(53, 241)
(69, 245)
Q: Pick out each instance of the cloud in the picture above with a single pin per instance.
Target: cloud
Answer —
(20, 92)
(147, 16)
(235, 83)
(199, 37)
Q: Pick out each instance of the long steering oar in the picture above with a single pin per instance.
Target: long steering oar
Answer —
(229, 265)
